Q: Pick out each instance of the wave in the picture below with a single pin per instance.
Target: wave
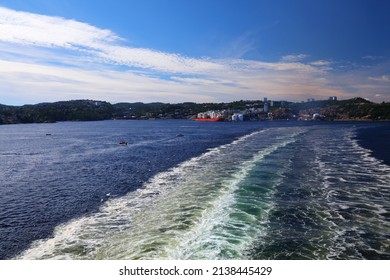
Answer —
(332, 202)
(204, 208)
(276, 193)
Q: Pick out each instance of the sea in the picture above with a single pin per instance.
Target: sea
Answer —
(182, 189)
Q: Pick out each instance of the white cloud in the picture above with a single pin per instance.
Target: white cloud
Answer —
(28, 28)
(294, 57)
(46, 58)
(38, 30)
(383, 78)
(52, 83)
(320, 63)
(155, 60)
(239, 46)
(372, 57)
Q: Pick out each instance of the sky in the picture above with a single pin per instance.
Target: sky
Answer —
(193, 50)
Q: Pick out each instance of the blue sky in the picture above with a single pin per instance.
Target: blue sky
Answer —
(201, 51)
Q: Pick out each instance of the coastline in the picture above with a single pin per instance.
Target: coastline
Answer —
(355, 109)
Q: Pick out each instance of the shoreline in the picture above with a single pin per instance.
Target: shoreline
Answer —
(223, 121)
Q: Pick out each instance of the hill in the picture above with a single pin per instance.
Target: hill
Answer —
(350, 109)
(75, 110)
(91, 110)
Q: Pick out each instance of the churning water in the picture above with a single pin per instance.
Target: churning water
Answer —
(187, 190)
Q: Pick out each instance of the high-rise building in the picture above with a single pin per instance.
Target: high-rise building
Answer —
(265, 105)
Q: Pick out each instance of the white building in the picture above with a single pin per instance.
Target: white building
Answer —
(237, 117)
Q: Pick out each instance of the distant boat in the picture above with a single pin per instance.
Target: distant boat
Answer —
(218, 119)
(123, 143)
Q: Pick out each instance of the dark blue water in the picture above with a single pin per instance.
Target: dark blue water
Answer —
(376, 140)
(182, 189)
(49, 179)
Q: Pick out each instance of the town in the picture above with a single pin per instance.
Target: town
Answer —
(257, 110)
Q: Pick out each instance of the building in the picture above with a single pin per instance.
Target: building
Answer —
(238, 117)
(265, 105)
(333, 98)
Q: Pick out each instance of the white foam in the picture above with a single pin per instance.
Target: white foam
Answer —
(358, 184)
(125, 226)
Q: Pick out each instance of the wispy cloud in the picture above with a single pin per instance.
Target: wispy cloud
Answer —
(240, 46)
(372, 57)
(55, 32)
(294, 57)
(320, 63)
(48, 31)
(383, 78)
(45, 58)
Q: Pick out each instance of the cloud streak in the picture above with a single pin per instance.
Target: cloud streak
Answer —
(294, 57)
(55, 32)
(45, 58)
(384, 78)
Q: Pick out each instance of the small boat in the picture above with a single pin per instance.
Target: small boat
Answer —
(124, 143)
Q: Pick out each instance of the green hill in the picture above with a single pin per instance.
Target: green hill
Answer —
(91, 110)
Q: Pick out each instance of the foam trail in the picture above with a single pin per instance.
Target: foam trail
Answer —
(332, 201)
(360, 203)
(198, 209)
